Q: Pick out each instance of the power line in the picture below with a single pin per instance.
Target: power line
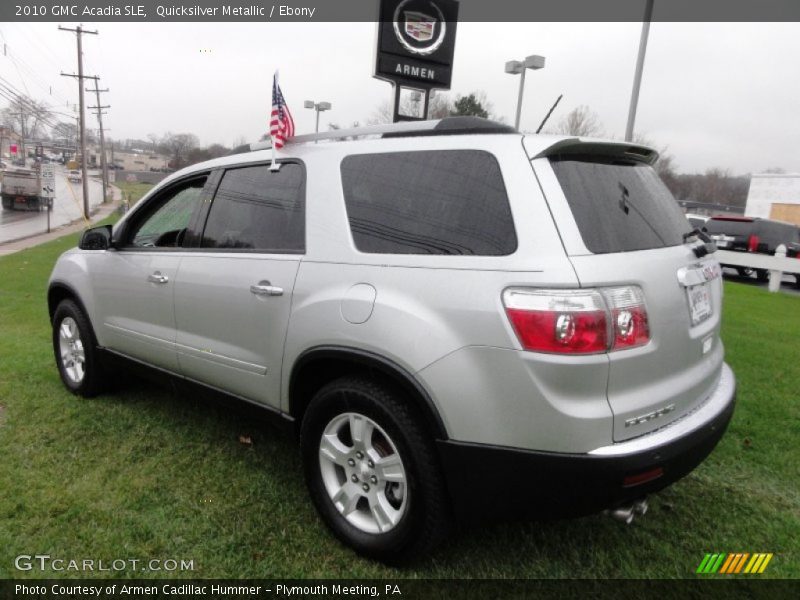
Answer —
(33, 74)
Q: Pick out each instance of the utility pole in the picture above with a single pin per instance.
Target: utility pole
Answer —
(103, 166)
(80, 76)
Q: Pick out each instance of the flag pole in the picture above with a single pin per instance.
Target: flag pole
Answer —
(274, 164)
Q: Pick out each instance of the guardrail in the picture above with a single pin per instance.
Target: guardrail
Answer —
(776, 265)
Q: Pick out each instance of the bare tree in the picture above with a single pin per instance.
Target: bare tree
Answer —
(665, 165)
(581, 122)
(26, 116)
(154, 140)
(178, 146)
(66, 132)
(439, 105)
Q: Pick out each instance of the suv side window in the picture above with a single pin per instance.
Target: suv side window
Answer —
(428, 202)
(165, 221)
(258, 210)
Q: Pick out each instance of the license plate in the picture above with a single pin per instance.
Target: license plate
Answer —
(721, 243)
(699, 303)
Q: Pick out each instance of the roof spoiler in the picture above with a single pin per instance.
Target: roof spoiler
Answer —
(580, 147)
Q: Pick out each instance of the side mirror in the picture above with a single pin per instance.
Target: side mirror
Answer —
(96, 238)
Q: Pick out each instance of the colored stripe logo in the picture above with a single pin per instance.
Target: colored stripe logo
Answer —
(734, 563)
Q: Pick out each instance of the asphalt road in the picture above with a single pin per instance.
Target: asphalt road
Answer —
(67, 207)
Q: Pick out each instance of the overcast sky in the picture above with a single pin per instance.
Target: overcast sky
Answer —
(717, 95)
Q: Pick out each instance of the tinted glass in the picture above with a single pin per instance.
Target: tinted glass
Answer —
(168, 217)
(729, 227)
(258, 209)
(620, 207)
(431, 202)
(775, 233)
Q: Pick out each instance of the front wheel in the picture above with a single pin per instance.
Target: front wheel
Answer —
(76, 351)
(372, 471)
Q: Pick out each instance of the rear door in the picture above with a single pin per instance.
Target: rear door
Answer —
(621, 226)
(233, 293)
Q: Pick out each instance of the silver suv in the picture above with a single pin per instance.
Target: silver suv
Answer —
(457, 320)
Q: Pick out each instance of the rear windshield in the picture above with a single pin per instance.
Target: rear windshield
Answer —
(729, 227)
(620, 207)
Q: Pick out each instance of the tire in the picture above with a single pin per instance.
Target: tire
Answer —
(745, 271)
(75, 350)
(393, 521)
(762, 275)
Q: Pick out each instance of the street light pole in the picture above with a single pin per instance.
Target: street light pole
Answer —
(637, 77)
(519, 67)
(519, 98)
(319, 107)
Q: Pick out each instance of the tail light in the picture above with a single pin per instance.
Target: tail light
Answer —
(752, 243)
(578, 321)
(629, 316)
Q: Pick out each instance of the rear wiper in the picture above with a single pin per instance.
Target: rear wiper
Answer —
(708, 245)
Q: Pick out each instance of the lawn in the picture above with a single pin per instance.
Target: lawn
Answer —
(144, 473)
(132, 191)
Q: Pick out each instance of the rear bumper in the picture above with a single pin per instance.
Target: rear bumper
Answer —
(485, 481)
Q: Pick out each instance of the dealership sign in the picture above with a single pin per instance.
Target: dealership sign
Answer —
(416, 41)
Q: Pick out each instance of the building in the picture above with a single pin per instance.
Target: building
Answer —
(134, 161)
(774, 196)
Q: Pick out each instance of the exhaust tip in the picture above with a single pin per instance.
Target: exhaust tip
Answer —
(640, 507)
(623, 514)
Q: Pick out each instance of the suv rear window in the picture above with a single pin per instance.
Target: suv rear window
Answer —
(620, 206)
(428, 202)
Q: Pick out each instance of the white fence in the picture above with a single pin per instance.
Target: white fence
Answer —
(776, 265)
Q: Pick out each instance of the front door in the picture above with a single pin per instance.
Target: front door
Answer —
(135, 283)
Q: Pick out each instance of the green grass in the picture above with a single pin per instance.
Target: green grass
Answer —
(133, 191)
(143, 473)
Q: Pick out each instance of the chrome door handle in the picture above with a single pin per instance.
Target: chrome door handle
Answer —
(157, 277)
(265, 288)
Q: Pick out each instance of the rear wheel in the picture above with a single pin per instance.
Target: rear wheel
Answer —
(372, 471)
(76, 350)
(745, 271)
(762, 274)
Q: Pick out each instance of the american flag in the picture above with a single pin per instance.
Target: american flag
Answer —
(281, 124)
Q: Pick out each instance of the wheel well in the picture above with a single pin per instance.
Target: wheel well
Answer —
(59, 292)
(316, 368)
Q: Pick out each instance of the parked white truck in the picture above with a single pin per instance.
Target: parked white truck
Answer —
(22, 190)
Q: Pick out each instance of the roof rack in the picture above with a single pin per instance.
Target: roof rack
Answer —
(446, 126)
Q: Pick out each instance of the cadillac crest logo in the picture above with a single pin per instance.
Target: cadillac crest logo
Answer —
(419, 26)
